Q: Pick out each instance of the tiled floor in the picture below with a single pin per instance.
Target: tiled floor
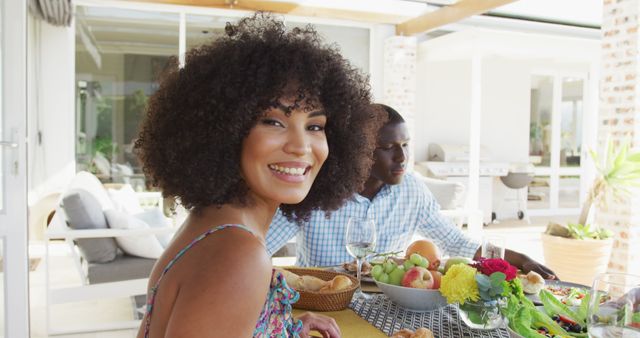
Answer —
(519, 236)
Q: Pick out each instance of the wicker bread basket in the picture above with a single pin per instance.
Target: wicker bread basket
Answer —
(324, 301)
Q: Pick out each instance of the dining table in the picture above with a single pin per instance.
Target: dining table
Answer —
(378, 316)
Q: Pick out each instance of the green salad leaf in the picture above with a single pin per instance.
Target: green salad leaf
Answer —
(554, 306)
(522, 324)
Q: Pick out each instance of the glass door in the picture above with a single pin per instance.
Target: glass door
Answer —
(556, 136)
(14, 286)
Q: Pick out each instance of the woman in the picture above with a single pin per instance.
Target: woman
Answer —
(260, 118)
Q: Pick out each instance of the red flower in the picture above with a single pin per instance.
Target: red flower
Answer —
(491, 265)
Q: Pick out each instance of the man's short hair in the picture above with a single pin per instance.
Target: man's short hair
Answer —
(394, 116)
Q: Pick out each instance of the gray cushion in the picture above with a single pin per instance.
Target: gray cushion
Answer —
(83, 211)
(124, 267)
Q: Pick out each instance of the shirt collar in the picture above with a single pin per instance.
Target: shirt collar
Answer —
(384, 192)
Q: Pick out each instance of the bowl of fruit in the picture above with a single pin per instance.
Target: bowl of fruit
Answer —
(412, 282)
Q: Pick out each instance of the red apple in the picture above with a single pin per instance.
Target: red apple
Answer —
(436, 279)
(418, 277)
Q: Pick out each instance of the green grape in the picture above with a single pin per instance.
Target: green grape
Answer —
(424, 262)
(376, 271)
(408, 265)
(416, 258)
(389, 266)
(395, 277)
(383, 278)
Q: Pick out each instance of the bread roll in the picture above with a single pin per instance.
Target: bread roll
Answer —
(404, 333)
(420, 333)
(292, 279)
(532, 283)
(423, 333)
(338, 283)
(311, 283)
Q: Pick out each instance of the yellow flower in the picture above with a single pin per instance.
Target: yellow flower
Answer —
(459, 284)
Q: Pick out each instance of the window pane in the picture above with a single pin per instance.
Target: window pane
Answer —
(540, 125)
(119, 57)
(569, 192)
(538, 197)
(571, 123)
(352, 41)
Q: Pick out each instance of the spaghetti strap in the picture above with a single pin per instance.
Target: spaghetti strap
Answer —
(154, 289)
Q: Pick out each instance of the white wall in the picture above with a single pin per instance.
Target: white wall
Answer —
(443, 97)
(505, 109)
(444, 84)
(376, 59)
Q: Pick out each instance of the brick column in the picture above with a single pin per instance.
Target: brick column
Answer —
(400, 63)
(619, 119)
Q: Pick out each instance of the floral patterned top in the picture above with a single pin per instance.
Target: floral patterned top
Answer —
(276, 319)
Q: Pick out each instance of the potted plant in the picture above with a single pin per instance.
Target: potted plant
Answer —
(579, 251)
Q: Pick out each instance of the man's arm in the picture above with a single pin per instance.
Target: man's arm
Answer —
(524, 263)
(455, 243)
(449, 238)
(280, 232)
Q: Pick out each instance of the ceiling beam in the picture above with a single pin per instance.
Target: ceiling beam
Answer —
(447, 15)
(291, 8)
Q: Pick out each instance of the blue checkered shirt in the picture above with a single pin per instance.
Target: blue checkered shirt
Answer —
(399, 212)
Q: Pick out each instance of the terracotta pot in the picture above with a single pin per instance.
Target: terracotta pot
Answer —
(576, 260)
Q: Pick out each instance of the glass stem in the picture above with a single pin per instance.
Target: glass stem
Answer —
(358, 272)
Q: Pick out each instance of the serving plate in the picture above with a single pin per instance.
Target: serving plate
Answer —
(364, 278)
(556, 283)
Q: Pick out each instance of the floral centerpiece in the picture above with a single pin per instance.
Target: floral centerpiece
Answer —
(479, 289)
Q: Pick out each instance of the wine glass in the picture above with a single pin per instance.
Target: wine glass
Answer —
(613, 300)
(493, 246)
(360, 239)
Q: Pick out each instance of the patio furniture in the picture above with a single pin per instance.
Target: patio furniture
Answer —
(451, 198)
(519, 177)
(104, 271)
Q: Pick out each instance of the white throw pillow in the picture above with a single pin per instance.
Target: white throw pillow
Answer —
(125, 199)
(146, 246)
(449, 195)
(155, 219)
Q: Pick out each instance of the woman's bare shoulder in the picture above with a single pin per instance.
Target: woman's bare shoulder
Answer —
(223, 286)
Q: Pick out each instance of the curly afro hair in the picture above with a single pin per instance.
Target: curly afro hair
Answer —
(191, 138)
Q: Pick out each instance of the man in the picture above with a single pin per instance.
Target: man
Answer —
(400, 204)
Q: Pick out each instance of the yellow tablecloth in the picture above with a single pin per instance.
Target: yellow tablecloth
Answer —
(351, 325)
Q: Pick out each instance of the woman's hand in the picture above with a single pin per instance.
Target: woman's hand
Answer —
(323, 324)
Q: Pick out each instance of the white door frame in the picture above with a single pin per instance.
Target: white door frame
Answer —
(554, 170)
(13, 212)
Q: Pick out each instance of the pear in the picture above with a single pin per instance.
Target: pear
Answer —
(455, 260)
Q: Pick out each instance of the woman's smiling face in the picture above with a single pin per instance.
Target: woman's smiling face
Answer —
(284, 152)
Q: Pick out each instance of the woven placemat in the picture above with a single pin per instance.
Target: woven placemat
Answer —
(380, 312)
